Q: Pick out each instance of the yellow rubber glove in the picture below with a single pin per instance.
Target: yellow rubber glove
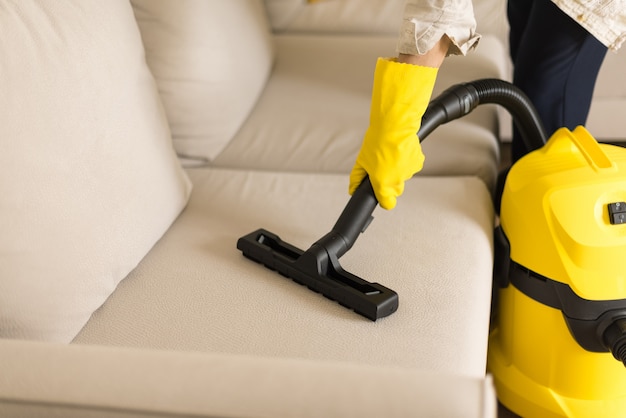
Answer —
(391, 152)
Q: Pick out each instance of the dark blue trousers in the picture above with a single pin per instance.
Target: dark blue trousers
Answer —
(556, 63)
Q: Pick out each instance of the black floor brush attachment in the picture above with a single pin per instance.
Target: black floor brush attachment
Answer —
(318, 267)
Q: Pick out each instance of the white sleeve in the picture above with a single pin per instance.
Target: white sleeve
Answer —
(426, 21)
(604, 19)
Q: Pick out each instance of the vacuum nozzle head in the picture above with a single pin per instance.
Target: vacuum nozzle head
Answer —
(318, 269)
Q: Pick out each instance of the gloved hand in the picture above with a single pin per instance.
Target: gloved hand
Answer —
(391, 152)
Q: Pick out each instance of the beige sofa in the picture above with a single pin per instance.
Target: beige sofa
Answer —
(122, 292)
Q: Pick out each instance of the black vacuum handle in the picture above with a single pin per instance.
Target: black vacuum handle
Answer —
(356, 216)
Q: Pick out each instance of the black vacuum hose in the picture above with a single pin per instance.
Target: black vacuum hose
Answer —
(460, 99)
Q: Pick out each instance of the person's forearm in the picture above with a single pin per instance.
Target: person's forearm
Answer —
(432, 58)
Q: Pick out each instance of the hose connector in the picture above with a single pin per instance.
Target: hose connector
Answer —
(615, 339)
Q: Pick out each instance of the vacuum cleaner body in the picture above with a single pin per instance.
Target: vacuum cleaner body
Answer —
(560, 318)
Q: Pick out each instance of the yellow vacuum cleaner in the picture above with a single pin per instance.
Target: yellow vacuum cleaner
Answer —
(558, 337)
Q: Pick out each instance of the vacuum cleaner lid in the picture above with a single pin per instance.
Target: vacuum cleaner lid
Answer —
(563, 212)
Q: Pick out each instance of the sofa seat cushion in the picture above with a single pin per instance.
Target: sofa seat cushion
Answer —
(89, 177)
(195, 291)
(313, 113)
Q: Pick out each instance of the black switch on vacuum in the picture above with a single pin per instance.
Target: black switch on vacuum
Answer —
(617, 212)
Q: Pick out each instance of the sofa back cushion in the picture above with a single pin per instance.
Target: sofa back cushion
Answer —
(211, 59)
(89, 179)
(368, 16)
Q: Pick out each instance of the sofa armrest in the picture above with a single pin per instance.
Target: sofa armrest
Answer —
(37, 379)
